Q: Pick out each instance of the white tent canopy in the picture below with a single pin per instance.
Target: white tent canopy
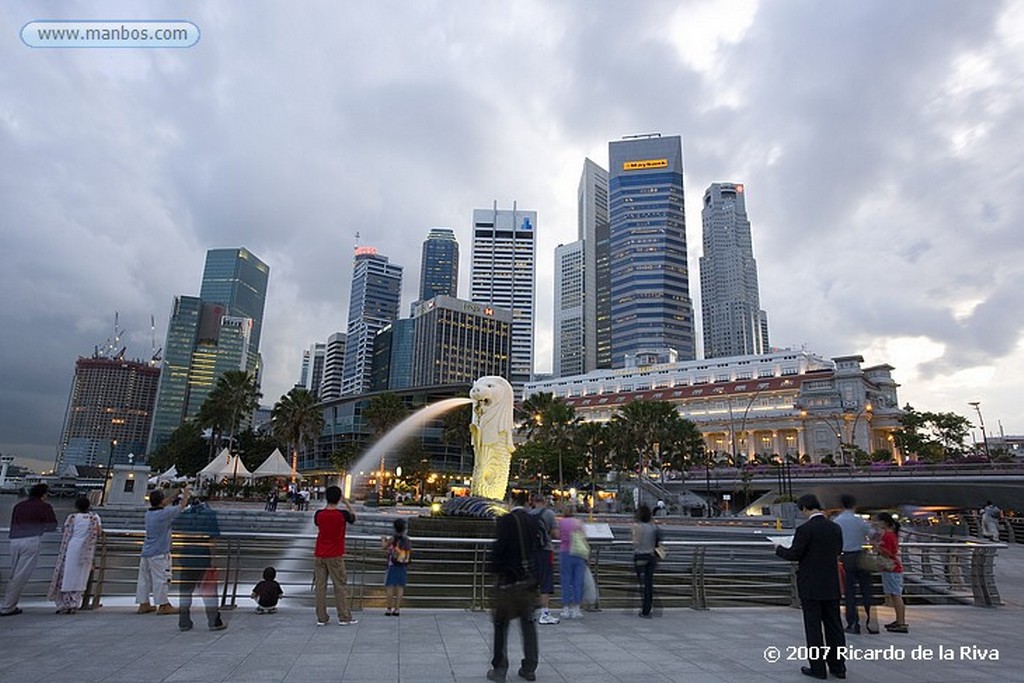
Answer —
(274, 466)
(212, 470)
(171, 475)
(224, 465)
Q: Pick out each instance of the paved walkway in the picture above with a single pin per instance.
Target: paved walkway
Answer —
(725, 644)
(114, 644)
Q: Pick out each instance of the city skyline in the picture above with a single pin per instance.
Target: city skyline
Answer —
(884, 198)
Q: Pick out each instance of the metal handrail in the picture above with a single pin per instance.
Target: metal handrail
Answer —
(451, 572)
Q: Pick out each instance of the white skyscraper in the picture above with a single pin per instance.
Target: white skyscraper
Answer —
(313, 360)
(334, 367)
(373, 304)
(569, 310)
(592, 215)
(503, 275)
(734, 324)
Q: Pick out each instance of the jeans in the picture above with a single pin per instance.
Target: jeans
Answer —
(645, 564)
(572, 569)
(856, 577)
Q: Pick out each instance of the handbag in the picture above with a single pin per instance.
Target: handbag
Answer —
(659, 550)
(590, 595)
(579, 546)
(873, 562)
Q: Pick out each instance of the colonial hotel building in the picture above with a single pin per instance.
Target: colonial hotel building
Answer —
(786, 402)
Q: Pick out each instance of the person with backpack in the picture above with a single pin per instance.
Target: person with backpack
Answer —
(396, 575)
(545, 557)
(516, 595)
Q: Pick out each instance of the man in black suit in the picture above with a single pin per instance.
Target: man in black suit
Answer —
(817, 545)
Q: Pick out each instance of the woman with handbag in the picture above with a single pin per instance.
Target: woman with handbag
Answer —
(646, 545)
(573, 552)
(892, 580)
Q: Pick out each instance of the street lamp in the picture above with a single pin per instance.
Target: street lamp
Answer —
(106, 474)
(981, 423)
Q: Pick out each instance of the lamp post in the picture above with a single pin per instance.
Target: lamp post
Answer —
(866, 410)
(707, 479)
(981, 423)
(106, 474)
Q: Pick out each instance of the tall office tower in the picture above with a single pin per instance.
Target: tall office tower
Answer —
(439, 268)
(597, 300)
(376, 294)
(651, 309)
(203, 342)
(313, 360)
(112, 400)
(238, 280)
(734, 324)
(457, 341)
(569, 310)
(392, 357)
(503, 276)
(334, 367)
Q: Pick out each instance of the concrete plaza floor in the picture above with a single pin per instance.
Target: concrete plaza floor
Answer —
(725, 644)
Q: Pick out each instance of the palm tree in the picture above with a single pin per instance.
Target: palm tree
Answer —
(298, 420)
(551, 422)
(233, 399)
(640, 426)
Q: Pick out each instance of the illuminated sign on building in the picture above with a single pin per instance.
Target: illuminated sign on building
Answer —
(366, 251)
(644, 164)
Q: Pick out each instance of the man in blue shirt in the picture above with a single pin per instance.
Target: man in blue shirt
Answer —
(155, 562)
(855, 535)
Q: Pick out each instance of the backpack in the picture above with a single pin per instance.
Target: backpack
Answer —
(542, 532)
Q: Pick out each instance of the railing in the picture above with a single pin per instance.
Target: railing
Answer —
(770, 471)
(451, 572)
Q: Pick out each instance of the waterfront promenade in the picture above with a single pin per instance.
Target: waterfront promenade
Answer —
(727, 644)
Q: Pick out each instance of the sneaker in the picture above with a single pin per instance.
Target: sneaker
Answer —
(567, 613)
(527, 675)
(271, 610)
(167, 608)
(546, 618)
(260, 610)
(13, 612)
(145, 608)
(898, 628)
(853, 628)
(577, 613)
(322, 623)
(348, 622)
(495, 675)
(219, 626)
(184, 627)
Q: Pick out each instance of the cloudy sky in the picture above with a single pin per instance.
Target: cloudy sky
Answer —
(880, 144)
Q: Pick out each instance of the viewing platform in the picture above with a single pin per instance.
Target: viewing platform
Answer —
(717, 629)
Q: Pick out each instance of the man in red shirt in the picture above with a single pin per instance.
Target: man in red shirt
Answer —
(30, 519)
(329, 557)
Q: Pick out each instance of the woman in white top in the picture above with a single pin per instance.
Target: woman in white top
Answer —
(74, 561)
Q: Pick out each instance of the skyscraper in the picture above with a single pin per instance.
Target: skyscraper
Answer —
(503, 276)
(734, 324)
(313, 361)
(651, 309)
(210, 334)
(203, 342)
(334, 367)
(109, 411)
(457, 341)
(569, 309)
(439, 267)
(373, 303)
(392, 356)
(597, 299)
(238, 280)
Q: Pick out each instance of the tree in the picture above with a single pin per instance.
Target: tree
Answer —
(551, 423)
(455, 431)
(186, 449)
(932, 436)
(641, 427)
(255, 447)
(298, 420)
(232, 401)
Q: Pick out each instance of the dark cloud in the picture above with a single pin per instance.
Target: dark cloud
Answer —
(878, 142)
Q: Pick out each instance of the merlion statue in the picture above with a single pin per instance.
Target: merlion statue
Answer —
(491, 429)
